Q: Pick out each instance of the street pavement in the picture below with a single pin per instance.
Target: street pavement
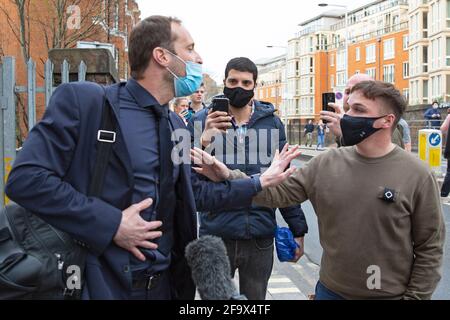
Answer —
(291, 281)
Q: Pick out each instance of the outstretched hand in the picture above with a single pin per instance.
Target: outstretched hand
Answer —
(276, 173)
(209, 166)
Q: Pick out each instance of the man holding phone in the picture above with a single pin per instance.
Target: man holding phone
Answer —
(239, 123)
(332, 113)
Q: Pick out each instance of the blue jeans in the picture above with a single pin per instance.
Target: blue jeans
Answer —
(320, 140)
(323, 293)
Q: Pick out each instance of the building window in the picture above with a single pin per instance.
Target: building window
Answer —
(311, 64)
(389, 49)
(340, 79)
(358, 54)
(311, 85)
(371, 72)
(332, 81)
(447, 57)
(448, 14)
(389, 73)
(435, 53)
(406, 94)
(340, 61)
(405, 70)
(370, 53)
(406, 41)
(331, 60)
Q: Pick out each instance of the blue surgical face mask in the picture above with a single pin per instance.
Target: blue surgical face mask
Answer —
(187, 85)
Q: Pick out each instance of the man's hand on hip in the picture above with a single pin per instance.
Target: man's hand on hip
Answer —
(135, 232)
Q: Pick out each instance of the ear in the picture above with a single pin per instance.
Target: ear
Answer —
(160, 56)
(388, 121)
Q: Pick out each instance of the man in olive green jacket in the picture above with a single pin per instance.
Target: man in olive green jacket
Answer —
(378, 208)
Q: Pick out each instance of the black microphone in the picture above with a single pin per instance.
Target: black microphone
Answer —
(211, 272)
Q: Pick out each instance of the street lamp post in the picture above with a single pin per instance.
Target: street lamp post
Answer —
(285, 93)
(346, 31)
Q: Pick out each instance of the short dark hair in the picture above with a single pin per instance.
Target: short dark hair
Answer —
(391, 97)
(148, 34)
(242, 64)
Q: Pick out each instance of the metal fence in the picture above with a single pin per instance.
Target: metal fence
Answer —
(8, 103)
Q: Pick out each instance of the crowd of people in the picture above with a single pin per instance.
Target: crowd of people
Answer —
(378, 207)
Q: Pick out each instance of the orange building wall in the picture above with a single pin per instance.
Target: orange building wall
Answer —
(400, 57)
(322, 76)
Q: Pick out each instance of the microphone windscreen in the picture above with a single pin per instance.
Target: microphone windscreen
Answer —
(207, 257)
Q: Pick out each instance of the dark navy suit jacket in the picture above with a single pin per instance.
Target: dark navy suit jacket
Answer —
(51, 176)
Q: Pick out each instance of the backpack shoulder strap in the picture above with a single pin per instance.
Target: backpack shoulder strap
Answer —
(106, 137)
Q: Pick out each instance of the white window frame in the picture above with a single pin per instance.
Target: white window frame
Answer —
(405, 67)
(372, 72)
(371, 54)
(389, 49)
(389, 76)
(358, 53)
(405, 42)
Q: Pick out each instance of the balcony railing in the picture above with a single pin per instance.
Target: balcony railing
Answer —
(371, 35)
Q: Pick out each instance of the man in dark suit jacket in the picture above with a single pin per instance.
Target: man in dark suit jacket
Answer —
(128, 255)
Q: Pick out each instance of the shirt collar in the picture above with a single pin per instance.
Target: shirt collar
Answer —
(140, 94)
(245, 123)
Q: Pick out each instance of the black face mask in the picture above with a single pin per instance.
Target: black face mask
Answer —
(356, 129)
(238, 96)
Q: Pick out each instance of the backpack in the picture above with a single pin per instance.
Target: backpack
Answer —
(37, 261)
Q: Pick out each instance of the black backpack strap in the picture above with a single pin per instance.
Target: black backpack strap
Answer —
(106, 137)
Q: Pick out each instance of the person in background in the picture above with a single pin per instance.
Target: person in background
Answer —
(309, 129)
(248, 232)
(196, 104)
(321, 127)
(333, 118)
(405, 133)
(181, 108)
(433, 116)
(445, 190)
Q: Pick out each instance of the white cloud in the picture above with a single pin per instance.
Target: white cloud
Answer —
(226, 29)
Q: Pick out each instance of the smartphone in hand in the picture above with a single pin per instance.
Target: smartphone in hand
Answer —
(328, 97)
(220, 104)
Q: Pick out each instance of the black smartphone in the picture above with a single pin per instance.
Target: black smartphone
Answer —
(220, 104)
(328, 97)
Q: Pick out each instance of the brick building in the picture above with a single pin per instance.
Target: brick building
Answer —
(43, 25)
(377, 44)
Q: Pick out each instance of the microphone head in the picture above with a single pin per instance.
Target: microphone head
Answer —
(207, 257)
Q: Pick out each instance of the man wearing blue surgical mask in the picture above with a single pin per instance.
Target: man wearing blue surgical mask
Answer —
(135, 233)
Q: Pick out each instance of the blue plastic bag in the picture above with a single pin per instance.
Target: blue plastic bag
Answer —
(285, 244)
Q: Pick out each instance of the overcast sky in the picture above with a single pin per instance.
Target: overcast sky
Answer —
(230, 28)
